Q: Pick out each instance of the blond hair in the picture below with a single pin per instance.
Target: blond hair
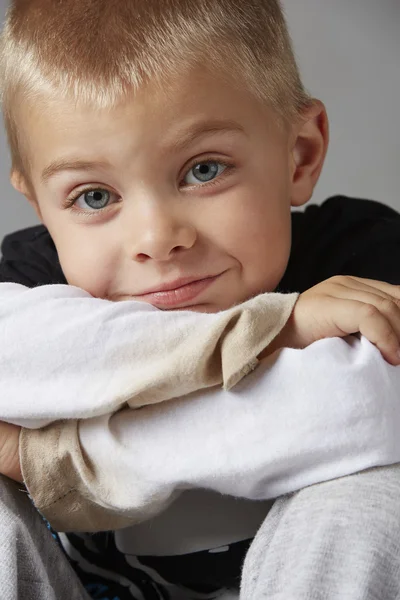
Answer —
(97, 51)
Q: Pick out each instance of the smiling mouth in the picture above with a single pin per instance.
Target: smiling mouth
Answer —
(175, 294)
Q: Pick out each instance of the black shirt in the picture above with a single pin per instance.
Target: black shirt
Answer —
(343, 236)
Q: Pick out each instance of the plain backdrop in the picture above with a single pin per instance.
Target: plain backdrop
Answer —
(349, 56)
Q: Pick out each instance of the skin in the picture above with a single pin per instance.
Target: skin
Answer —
(162, 224)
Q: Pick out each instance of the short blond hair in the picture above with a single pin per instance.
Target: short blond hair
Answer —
(99, 50)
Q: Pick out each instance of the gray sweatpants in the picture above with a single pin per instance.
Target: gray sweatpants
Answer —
(338, 540)
(32, 566)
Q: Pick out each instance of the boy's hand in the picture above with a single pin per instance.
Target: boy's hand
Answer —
(344, 305)
(9, 451)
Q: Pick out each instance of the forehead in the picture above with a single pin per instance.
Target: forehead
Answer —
(163, 115)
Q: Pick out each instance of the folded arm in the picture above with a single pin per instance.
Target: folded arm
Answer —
(65, 354)
(302, 417)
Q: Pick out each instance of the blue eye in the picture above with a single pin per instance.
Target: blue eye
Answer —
(203, 172)
(94, 199)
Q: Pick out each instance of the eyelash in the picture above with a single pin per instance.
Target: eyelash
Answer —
(70, 201)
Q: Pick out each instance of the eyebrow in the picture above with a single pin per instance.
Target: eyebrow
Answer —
(70, 165)
(182, 141)
(203, 129)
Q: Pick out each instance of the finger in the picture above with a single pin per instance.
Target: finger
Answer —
(381, 287)
(351, 288)
(387, 306)
(379, 331)
(355, 317)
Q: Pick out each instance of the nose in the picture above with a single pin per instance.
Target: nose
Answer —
(160, 233)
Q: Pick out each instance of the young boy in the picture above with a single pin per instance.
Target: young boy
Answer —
(220, 229)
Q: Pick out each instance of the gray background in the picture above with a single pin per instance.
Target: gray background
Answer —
(349, 55)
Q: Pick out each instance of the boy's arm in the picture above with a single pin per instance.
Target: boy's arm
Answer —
(302, 417)
(95, 356)
(77, 465)
(372, 292)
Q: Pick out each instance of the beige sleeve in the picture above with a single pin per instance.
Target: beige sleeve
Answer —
(224, 353)
(101, 356)
(59, 477)
(56, 473)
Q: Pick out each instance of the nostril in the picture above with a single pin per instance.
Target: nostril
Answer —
(177, 249)
(141, 257)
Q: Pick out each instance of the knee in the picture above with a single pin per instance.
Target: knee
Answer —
(340, 538)
(367, 502)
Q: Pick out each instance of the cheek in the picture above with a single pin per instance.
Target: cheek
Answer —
(265, 255)
(257, 234)
(87, 255)
(265, 261)
(84, 263)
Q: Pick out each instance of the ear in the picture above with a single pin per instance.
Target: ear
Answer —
(309, 146)
(19, 182)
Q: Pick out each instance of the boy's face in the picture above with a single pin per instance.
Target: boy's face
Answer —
(183, 196)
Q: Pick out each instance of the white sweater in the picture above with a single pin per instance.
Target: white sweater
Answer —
(303, 416)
